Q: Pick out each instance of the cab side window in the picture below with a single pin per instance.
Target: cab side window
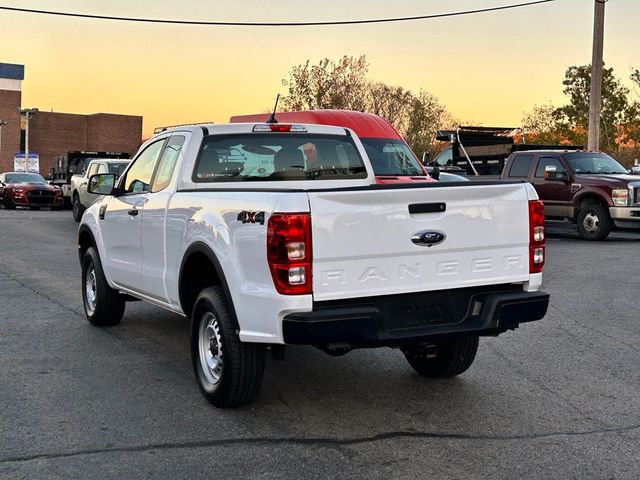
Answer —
(102, 168)
(167, 163)
(138, 178)
(544, 162)
(520, 166)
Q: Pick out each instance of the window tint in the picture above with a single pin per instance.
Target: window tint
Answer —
(277, 156)
(93, 169)
(445, 157)
(138, 179)
(520, 166)
(167, 163)
(391, 157)
(544, 162)
(117, 168)
(593, 162)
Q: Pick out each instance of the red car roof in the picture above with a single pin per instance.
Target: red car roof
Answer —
(365, 125)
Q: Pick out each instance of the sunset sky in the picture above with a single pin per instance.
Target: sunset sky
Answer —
(485, 68)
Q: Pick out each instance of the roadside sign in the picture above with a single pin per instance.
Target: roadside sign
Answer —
(19, 163)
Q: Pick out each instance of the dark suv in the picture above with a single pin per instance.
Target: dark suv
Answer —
(589, 188)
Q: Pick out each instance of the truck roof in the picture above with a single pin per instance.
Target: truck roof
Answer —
(365, 125)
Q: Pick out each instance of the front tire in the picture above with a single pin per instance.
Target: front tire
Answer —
(594, 222)
(8, 204)
(449, 358)
(103, 305)
(76, 208)
(228, 371)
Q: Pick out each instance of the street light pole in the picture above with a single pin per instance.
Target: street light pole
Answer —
(2, 123)
(595, 98)
(28, 113)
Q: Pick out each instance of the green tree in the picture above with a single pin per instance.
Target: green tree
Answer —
(617, 110)
(541, 125)
(344, 84)
(329, 84)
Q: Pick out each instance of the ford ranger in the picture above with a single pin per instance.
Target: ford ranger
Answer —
(272, 234)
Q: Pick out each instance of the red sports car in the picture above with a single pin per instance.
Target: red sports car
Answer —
(28, 190)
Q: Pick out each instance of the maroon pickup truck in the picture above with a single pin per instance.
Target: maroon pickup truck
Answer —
(588, 188)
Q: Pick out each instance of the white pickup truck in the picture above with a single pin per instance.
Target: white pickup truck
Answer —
(271, 234)
(80, 198)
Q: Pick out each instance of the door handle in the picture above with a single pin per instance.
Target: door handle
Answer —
(133, 212)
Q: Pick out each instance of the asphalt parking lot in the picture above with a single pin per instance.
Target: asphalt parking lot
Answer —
(559, 398)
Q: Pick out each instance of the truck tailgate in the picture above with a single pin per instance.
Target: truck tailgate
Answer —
(362, 239)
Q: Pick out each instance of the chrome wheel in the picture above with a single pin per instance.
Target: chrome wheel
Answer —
(90, 289)
(591, 223)
(210, 348)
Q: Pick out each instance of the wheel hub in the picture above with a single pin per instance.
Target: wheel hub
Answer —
(90, 289)
(591, 222)
(210, 348)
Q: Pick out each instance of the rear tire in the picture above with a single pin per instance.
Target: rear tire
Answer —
(594, 222)
(228, 371)
(76, 208)
(103, 305)
(452, 357)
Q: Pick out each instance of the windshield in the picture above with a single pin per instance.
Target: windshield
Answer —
(277, 156)
(599, 163)
(117, 168)
(33, 178)
(391, 157)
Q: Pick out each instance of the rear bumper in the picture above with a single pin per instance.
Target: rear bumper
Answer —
(396, 320)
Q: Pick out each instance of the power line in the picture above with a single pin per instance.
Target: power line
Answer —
(273, 24)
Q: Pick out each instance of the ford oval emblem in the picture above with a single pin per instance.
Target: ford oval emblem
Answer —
(428, 239)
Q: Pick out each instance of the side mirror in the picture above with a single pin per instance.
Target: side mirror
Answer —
(435, 173)
(102, 184)
(551, 173)
(425, 158)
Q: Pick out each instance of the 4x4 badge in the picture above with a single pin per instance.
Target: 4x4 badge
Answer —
(251, 217)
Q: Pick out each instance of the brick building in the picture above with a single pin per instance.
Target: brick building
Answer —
(53, 133)
(11, 77)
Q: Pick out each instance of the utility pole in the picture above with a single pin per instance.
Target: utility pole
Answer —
(28, 113)
(595, 98)
(2, 124)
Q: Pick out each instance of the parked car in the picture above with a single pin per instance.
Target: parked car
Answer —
(304, 247)
(81, 199)
(588, 188)
(19, 189)
(392, 159)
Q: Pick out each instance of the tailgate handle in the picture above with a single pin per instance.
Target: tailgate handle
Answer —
(427, 207)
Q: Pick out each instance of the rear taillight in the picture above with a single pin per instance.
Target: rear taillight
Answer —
(289, 252)
(536, 236)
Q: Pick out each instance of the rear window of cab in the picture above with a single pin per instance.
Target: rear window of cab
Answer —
(277, 156)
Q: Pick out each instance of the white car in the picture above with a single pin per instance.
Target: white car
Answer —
(307, 249)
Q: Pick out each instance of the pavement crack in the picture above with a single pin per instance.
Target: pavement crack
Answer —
(33, 290)
(318, 442)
